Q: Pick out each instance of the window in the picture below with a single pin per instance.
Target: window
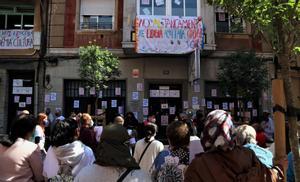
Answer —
(16, 17)
(229, 23)
(97, 14)
(169, 7)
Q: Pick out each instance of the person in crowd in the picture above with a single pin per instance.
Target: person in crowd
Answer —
(39, 133)
(170, 164)
(58, 117)
(195, 145)
(131, 132)
(246, 136)
(260, 135)
(50, 116)
(148, 148)
(66, 155)
(20, 159)
(130, 121)
(113, 159)
(223, 160)
(98, 129)
(150, 119)
(268, 126)
(119, 120)
(290, 169)
(87, 133)
(199, 120)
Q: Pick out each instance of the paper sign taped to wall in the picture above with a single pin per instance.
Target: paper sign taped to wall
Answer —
(47, 98)
(81, 91)
(121, 110)
(225, 105)
(185, 104)
(22, 104)
(209, 104)
(140, 87)
(145, 102)
(76, 104)
(197, 88)
(145, 111)
(172, 110)
(16, 99)
(118, 91)
(103, 104)
(92, 91)
(17, 82)
(28, 100)
(53, 96)
(164, 120)
(135, 96)
(113, 103)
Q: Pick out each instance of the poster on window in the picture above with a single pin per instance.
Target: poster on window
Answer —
(145, 2)
(92, 91)
(16, 39)
(76, 104)
(81, 91)
(221, 17)
(159, 2)
(16, 99)
(164, 120)
(168, 34)
(114, 103)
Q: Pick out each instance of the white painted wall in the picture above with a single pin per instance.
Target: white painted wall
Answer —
(97, 7)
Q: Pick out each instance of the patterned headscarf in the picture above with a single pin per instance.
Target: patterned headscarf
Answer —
(218, 131)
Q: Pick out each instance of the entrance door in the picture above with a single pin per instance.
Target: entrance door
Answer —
(21, 93)
(165, 101)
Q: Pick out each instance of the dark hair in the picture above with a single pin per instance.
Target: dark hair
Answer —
(178, 134)
(20, 128)
(150, 131)
(63, 132)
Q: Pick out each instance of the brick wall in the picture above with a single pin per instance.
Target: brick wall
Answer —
(69, 31)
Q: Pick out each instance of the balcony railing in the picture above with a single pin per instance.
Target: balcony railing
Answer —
(96, 25)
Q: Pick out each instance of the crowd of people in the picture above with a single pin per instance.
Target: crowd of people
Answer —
(212, 148)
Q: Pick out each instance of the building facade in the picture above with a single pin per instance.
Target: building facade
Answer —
(165, 84)
(20, 58)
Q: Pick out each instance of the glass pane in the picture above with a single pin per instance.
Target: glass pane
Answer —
(145, 7)
(93, 22)
(190, 7)
(177, 7)
(222, 23)
(2, 22)
(236, 25)
(14, 22)
(105, 22)
(160, 7)
(28, 21)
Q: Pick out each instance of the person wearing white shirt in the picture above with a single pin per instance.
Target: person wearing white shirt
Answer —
(149, 146)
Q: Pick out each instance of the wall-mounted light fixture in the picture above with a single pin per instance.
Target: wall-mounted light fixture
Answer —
(132, 36)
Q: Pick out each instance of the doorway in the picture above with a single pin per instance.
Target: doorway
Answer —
(21, 93)
(165, 101)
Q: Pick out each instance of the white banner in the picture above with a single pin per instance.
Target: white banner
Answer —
(16, 39)
(168, 34)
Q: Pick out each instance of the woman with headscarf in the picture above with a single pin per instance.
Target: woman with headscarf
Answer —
(66, 155)
(113, 159)
(246, 136)
(20, 159)
(148, 148)
(223, 160)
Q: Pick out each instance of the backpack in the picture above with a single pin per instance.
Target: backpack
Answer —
(64, 174)
(171, 170)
